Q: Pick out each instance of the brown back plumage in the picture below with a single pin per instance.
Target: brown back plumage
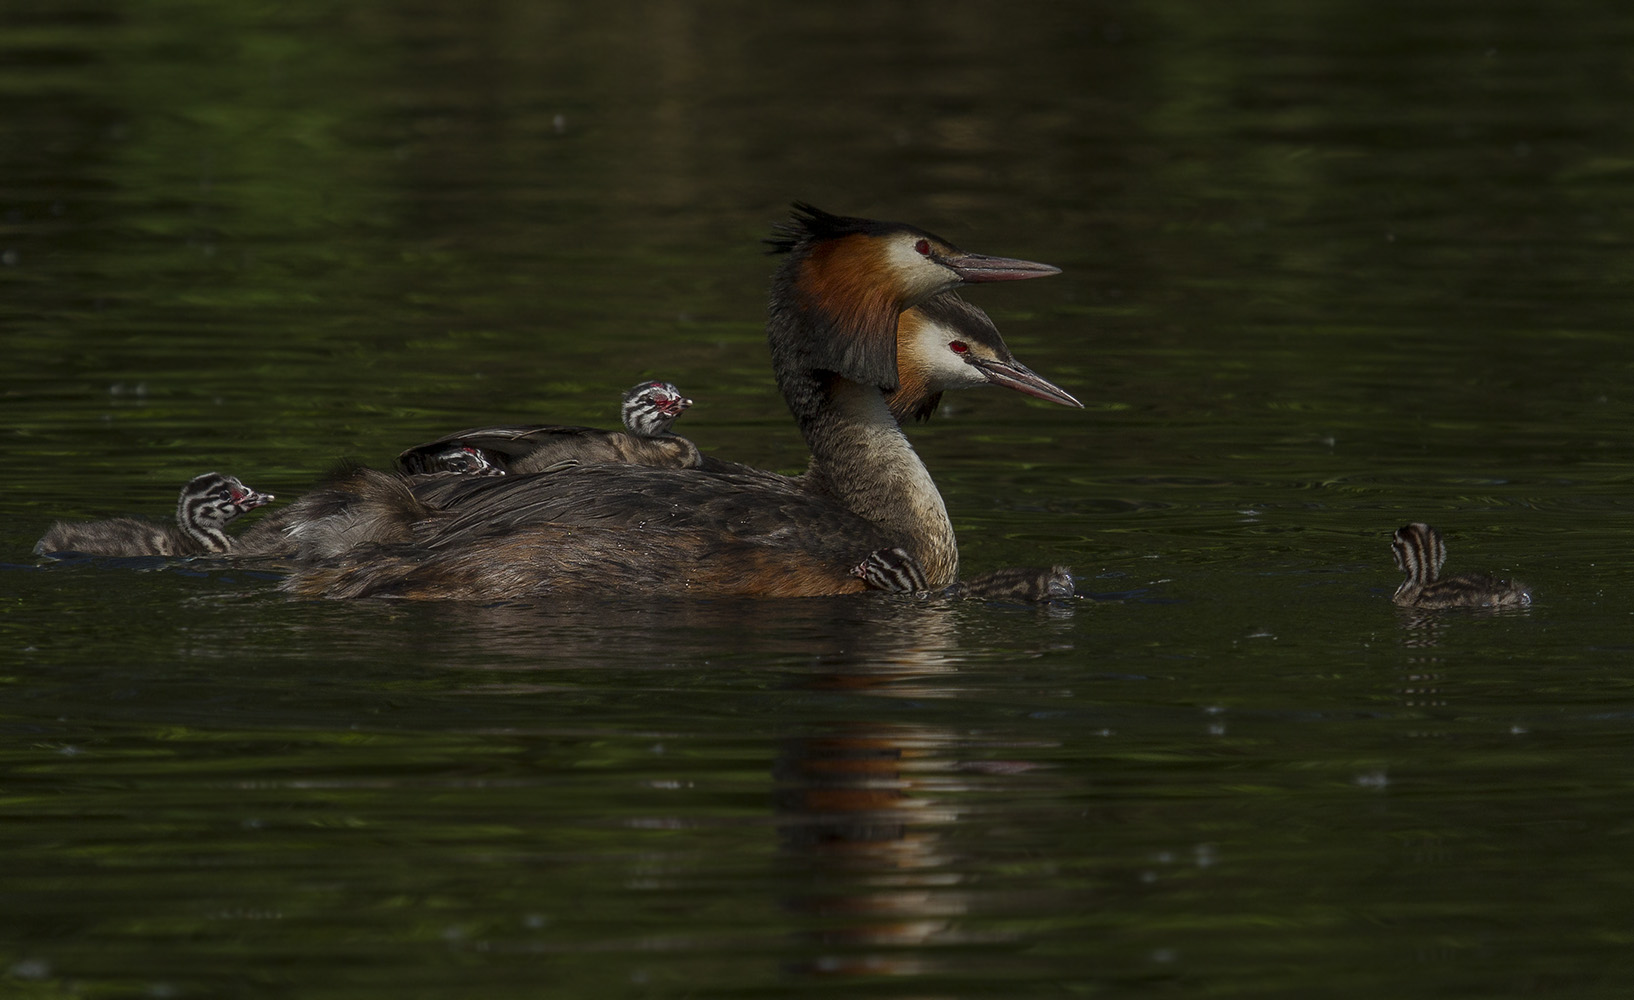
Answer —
(557, 560)
(358, 507)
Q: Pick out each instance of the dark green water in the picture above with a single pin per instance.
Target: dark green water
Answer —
(1329, 267)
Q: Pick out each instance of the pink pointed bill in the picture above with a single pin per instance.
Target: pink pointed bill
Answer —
(1022, 379)
(976, 267)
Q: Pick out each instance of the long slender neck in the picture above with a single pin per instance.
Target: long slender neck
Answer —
(861, 458)
(833, 336)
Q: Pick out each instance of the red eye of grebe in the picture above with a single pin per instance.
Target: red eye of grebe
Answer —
(922, 248)
(959, 347)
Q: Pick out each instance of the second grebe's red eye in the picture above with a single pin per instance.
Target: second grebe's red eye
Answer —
(922, 248)
(959, 347)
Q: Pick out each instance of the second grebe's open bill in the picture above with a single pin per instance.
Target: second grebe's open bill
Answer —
(1017, 376)
(976, 267)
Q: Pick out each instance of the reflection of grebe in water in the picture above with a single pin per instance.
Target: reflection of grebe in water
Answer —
(207, 504)
(649, 410)
(1420, 552)
(834, 334)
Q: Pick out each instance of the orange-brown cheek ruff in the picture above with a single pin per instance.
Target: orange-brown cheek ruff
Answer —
(845, 284)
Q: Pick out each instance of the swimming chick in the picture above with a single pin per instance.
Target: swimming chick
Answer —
(1419, 552)
(207, 504)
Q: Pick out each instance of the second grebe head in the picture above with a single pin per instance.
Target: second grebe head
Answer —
(835, 301)
(947, 343)
(650, 408)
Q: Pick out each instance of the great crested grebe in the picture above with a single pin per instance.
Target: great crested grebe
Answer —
(208, 503)
(834, 337)
(1420, 552)
(649, 410)
(945, 343)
